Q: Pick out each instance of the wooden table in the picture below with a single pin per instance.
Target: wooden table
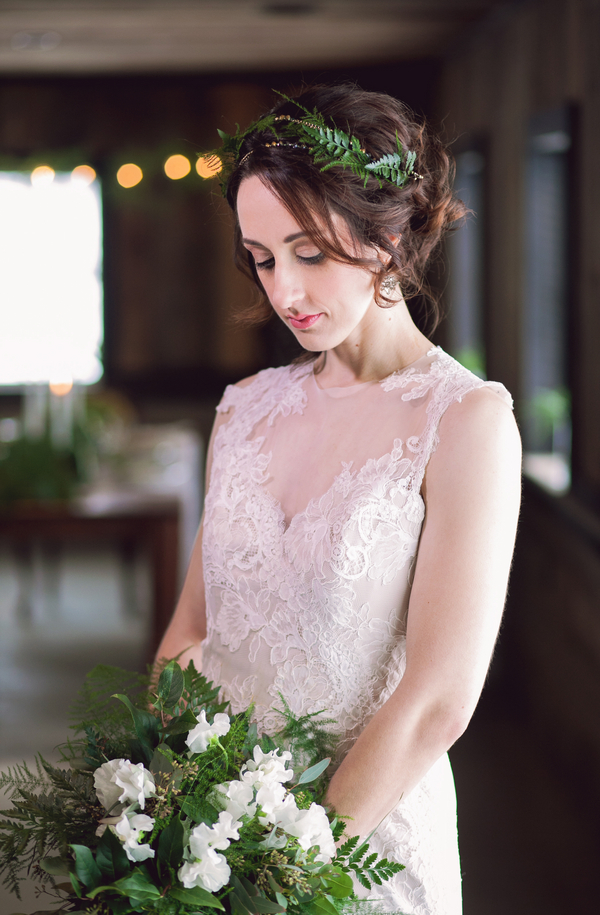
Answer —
(148, 523)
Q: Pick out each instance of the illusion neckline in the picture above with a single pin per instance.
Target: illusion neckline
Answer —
(349, 389)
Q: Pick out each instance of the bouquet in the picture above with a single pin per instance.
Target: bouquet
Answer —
(173, 806)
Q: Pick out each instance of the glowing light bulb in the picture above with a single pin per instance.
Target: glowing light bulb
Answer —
(177, 167)
(83, 174)
(42, 176)
(129, 175)
(62, 387)
(209, 166)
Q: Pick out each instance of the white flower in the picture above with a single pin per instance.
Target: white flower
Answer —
(286, 814)
(218, 835)
(129, 829)
(240, 798)
(267, 768)
(107, 791)
(223, 830)
(311, 827)
(211, 872)
(270, 798)
(120, 781)
(199, 737)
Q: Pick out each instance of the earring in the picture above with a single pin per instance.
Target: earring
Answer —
(389, 285)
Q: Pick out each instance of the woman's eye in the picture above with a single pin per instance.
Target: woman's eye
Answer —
(265, 265)
(315, 259)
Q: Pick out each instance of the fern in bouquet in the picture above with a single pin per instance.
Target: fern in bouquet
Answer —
(170, 805)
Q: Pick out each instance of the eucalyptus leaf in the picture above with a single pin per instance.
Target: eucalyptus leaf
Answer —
(311, 774)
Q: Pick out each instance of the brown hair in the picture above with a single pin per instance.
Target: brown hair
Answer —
(418, 213)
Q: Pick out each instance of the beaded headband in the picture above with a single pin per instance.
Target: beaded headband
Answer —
(325, 144)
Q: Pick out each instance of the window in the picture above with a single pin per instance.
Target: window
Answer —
(50, 283)
(546, 420)
(466, 255)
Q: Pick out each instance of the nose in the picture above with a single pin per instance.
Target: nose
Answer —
(287, 291)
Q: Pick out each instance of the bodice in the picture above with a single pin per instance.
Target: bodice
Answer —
(312, 525)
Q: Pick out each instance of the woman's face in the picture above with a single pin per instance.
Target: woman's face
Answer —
(325, 303)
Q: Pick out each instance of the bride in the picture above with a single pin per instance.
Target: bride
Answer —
(362, 502)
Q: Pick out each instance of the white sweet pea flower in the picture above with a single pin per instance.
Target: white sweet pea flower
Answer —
(287, 813)
(120, 781)
(199, 737)
(267, 768)
(129, 829)
(107, 790)
(270, 798)
(211, 872)
(137, 783)
(311, 827)
(240, 798)
(218, 835)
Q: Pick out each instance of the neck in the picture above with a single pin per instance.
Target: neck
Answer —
(386, 341)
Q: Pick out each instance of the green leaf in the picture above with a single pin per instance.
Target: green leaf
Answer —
(111, 857)
(198, 809)
(265, 906)
(311, 774)
(237, 906)
(196, 896)
(338, 884)
(85, 867)
(138, 887)
(170, 843)
(322, 906)
(56, 866)
(170, 684)
(181, 724)
(145, 723)
(161, 764)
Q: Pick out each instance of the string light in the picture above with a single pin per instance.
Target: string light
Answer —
(177, 167)
(42, 175)
(129, 175)
(83, 174)
(209, 166)
(61, 388)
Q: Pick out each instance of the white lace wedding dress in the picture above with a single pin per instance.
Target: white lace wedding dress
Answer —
(311, 529)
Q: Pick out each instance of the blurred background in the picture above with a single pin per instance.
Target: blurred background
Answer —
(116, 341)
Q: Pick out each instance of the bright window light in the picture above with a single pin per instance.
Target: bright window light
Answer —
(50, 281)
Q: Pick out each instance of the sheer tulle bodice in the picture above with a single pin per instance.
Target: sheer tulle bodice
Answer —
(311, 529)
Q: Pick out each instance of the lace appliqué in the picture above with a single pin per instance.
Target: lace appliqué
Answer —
(316, 611)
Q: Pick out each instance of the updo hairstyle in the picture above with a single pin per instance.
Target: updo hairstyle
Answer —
(418, 213)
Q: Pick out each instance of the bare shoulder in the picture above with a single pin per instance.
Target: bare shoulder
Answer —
(478, 438)
(482, 416)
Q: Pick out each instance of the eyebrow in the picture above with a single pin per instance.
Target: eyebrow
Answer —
(286, 240)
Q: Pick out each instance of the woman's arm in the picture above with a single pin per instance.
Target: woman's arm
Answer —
(472, 495)
(187, 628)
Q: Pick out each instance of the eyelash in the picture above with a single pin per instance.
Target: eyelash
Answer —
(270, 263)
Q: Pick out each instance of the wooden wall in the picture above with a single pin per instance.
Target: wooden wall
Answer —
(531, 57)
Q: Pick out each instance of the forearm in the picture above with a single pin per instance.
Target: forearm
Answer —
(393, 753)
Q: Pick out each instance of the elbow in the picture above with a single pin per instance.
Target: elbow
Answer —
(445, 721)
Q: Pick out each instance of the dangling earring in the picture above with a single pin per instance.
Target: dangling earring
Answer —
(389, 285)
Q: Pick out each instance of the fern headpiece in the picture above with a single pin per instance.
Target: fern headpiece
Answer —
(327, 144)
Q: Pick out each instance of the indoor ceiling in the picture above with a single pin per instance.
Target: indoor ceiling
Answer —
(100, 36)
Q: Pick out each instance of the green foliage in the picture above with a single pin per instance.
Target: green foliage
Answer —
(326, 143)
(51, 830)
(32, 469)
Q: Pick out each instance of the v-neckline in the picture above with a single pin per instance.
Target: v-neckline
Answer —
(316, 500)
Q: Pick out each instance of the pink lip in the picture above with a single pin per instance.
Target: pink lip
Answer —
(303, 321)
